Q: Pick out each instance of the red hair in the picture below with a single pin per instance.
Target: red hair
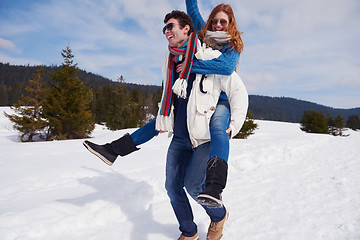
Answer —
(232, 30)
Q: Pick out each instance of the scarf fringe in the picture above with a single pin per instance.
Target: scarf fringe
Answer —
(180, 87)
(164, 123)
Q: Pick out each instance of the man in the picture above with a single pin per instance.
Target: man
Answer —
(185, 166)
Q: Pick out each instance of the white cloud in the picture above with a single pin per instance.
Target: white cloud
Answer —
(259, 81)
(292, 19)
(6, 44)
(18, 61)
(291, 47)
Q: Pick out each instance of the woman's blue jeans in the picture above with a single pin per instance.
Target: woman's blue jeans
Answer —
(186, 168)
(145, 133)
(219, 123)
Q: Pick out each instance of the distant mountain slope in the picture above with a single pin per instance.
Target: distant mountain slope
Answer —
(13, 80)
(290, 109)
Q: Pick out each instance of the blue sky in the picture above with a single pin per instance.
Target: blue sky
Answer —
(305, 49)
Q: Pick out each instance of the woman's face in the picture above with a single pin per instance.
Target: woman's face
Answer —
(220, 21)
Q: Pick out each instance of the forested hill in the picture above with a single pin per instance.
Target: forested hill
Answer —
(290, 109)
(13, 80)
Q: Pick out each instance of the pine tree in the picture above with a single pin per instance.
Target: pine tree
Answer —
(117, 105)
(248, 128)
(156, 100)
(4, 95)
(314, 122)
(339, 126)
(138, 112)
(29, 112)
(67, 105)
(331, 123)
(353, 122)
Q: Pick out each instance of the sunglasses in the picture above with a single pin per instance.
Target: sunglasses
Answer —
(168, 27)
(214, 21)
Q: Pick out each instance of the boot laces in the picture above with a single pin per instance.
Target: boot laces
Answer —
(213, 226)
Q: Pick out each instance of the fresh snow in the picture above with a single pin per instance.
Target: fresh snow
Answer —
(284, 184)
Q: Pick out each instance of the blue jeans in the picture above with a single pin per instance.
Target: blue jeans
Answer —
(186, 167)
(145, 133)
(219, 122)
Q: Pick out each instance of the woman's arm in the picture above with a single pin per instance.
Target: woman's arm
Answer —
(223, 65)
(194, 12)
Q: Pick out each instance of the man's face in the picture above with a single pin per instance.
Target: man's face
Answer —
(175, 36)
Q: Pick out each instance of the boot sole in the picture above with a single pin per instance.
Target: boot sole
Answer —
(97, 154)
(209, 201)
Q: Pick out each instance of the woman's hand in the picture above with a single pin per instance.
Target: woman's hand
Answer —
(228, 131)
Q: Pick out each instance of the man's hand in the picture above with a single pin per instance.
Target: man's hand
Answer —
(180, 67)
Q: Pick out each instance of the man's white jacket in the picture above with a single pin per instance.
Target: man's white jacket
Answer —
(205, 95)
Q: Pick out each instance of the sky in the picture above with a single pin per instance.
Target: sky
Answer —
(307, 50)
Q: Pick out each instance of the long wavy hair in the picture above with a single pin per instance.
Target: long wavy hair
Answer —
(232, 30)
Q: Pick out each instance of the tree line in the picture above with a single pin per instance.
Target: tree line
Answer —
(316, 122)
(13, 80)
(289, 109)
(60, 106)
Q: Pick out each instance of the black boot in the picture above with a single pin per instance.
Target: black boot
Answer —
(104, 152)
(216, 176)
(124, 145)
(109, 151)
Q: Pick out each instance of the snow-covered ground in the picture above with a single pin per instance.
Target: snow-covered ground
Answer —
(283, 184)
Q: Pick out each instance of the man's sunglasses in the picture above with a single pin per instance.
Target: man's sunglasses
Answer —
(168, 27)
(214, 21)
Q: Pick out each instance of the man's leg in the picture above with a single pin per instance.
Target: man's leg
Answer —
(195, 179)
(178, 155)
(194, 182)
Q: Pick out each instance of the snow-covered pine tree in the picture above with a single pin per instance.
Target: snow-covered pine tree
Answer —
(248, 128)
(28, 117)
(314, 122)
(67, 104)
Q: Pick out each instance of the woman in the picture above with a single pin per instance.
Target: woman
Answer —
(219, 31)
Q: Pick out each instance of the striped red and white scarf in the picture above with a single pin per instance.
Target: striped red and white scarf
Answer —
(164, 122)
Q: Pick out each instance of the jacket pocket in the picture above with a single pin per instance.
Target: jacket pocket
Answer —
(200, 128)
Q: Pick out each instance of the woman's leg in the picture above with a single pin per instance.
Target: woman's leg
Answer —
(219, 123)
(145, 133)
(216, 170)
(124, 145)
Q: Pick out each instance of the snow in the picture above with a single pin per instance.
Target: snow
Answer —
(283, 184)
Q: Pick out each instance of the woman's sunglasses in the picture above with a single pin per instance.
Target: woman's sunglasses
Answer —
(214, 21)
(168, 27)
